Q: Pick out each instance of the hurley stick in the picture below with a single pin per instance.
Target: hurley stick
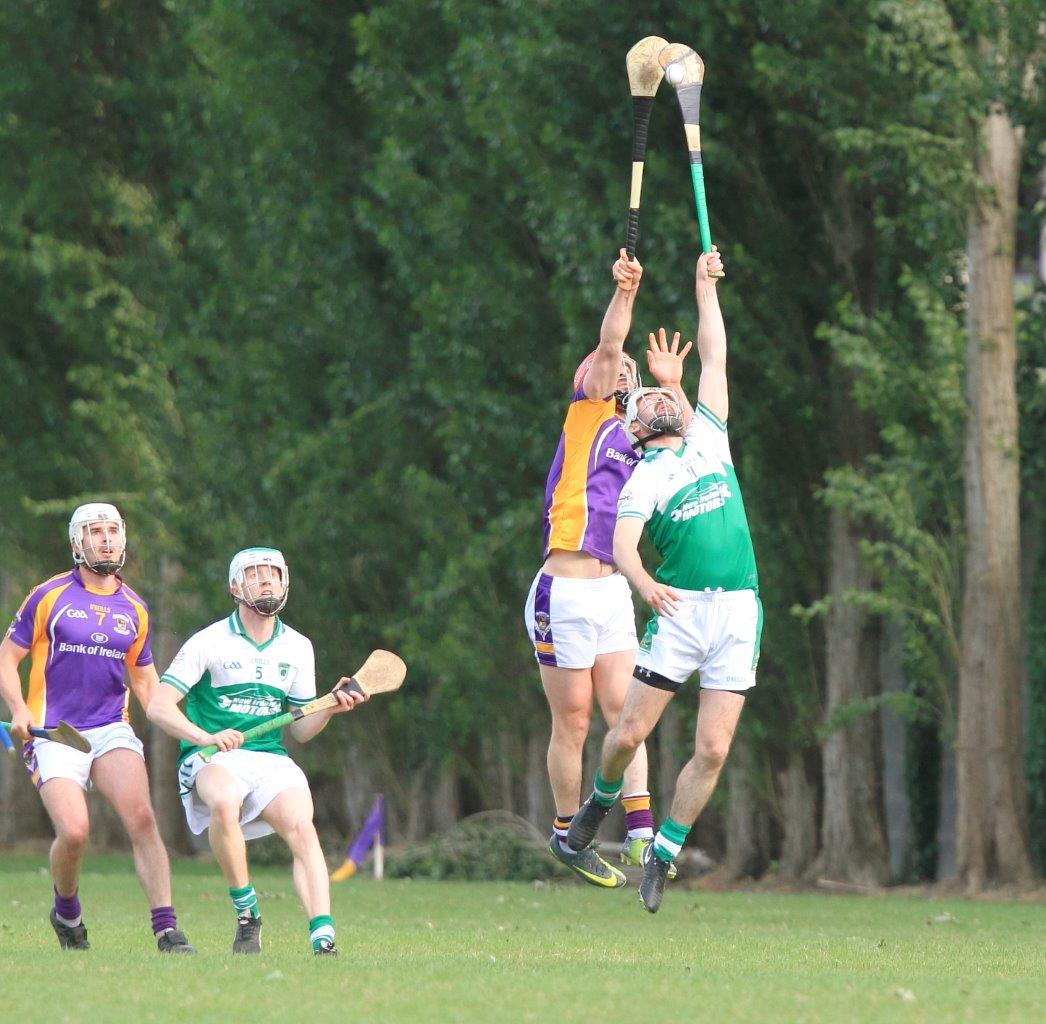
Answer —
(644, 76)
(63, 732)
(382, 672)
(685, 70)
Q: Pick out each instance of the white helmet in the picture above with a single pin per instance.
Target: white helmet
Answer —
(661, 414)
(264, 604)
(84, 552)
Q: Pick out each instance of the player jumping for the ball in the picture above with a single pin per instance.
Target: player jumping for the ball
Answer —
(237, 673)
(707, 615)
(81, 629)
(579, 612)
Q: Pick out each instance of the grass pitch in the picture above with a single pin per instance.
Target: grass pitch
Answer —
(490, 952)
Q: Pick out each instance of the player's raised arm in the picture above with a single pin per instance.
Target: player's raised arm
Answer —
(602, 377)
(665, 362)
(711, 337)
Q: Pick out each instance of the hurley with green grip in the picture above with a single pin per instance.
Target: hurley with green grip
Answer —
(382, 672)
(685, 70)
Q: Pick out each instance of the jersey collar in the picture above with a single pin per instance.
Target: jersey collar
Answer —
(653, 453)
(236, 627)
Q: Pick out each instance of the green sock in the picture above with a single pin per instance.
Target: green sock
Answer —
(669, 839)
(245, 901)
(606, 793)
(321, 927)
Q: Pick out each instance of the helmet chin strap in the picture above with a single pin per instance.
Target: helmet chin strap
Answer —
(642, 442)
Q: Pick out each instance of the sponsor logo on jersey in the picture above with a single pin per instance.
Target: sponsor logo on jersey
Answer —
(91, 649)
(247, 703)
(613, 453)
(100, 638)
(707, 499)
(76, 613)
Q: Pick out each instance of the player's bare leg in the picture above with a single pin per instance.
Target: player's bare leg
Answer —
(120, 777)
(65, 803)
(222, 794)
(67, 807)
(569, 693)
(717, 718)
(290, 814)
(623, 747)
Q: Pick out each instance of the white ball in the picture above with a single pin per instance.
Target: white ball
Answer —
(674, 74)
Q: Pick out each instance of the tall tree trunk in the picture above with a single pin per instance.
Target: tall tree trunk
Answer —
(799, 818)
(992, 827)
(747, 822)
(853, 830)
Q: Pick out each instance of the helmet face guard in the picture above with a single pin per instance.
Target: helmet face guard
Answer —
(260, 579)
(98, 537)
(656, 411)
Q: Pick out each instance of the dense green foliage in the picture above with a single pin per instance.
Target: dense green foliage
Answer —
(315, 275)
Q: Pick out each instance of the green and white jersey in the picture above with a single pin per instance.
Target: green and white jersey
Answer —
(233, 683)
(691, 502)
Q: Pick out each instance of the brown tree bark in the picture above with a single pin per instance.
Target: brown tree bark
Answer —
(853, 829)
(747, 821)
(799, 819)
(992, 827)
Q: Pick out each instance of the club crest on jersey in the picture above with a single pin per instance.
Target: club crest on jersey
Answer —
(121, 623)
(287, 672)
(542, 624)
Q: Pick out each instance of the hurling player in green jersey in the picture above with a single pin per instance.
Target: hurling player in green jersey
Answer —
(704, 594)
(235, 674)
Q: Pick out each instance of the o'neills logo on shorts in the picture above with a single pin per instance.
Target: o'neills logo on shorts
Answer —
(95, 649)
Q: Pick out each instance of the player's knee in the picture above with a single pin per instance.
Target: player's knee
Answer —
(140, 822)
(712, 752)
(626, 736)
(300, 834)
(73, 835)
(572, 729)
(225, 810)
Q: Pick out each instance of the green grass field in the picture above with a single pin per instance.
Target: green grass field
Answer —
(490, 952)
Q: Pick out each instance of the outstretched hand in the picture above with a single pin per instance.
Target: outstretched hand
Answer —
(666, 361)
(627, 273)
(709, 263)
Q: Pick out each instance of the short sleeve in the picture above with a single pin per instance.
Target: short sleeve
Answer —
(636, 500)
(708, 432)
(303, 689)
(140, 652)
(22, 630)
(188, 666)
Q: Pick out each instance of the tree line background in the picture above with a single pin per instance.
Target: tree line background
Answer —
(317, 274)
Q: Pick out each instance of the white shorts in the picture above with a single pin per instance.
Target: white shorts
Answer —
(713, 632)
(46, 759)
(261, 776)
(571, 622)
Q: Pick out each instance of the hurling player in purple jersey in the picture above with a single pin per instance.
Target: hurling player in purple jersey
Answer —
(81, 629)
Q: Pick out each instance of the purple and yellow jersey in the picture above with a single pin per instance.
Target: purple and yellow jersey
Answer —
(79, 640)
(593, 462)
